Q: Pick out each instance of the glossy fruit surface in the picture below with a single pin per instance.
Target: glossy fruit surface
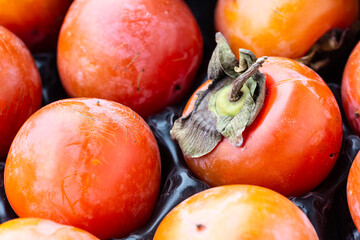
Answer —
(286, 28)
(352, 190)
(141, 53)
(36, 22)
(40, 229)
(350, 92)
(20, 87)
(88, 163)
(236, 212)
(293, 143)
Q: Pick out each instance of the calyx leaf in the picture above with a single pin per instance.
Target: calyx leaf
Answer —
(230, 104)
(326, 49)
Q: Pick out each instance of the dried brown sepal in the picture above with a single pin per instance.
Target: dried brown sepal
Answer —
(246, 58)
(328, 46)
(214, 115)
(222, 61)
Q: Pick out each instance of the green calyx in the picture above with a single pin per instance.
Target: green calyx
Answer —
(221, 105)
(229, 105)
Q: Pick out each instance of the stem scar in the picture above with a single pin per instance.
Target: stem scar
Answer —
(200, 227)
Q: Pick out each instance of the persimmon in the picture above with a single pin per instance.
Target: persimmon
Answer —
(37, 229)
(350, 86)
(143, 54)
(89, 163)
(236, 212)
(283, 133)
(37, 22)
(352, 191)
(286, 28)
(20, 87)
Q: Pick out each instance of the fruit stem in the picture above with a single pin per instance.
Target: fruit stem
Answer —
(235, 93)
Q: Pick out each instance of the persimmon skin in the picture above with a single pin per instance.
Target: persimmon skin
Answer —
(20, 87)
(286, 28)
(293, 143)
(89, 163)
(35, 229)
(350, 86)
(236, 212)
(143, 54)
(37, 22)
(352, 191)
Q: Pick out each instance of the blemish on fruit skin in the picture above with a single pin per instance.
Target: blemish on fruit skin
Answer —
(279, 13)
(97, 103)
(177, 87)
(357, 114)
(8, 50)
(95, 161)
(132, 61)
(181, 58)
(65, 196)
(138, 80)
(200, 227)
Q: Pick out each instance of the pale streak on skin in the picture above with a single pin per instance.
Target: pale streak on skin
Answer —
(279, 13)
(106, 131)
(132, 128)
(66, 196)
(12, 56)
(97, 161)
(138, 80)
(132, 61)
(181, 59)
(94, 132)
(120, 46)
(7, 110)
(88, 116)
(21, 98)
(18, 102)
(98, 131)
(129, 129)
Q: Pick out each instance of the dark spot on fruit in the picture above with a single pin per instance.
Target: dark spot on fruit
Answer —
(332, 155)
(200, 227)
(177, 87)
(34, 32)
(357, 114)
